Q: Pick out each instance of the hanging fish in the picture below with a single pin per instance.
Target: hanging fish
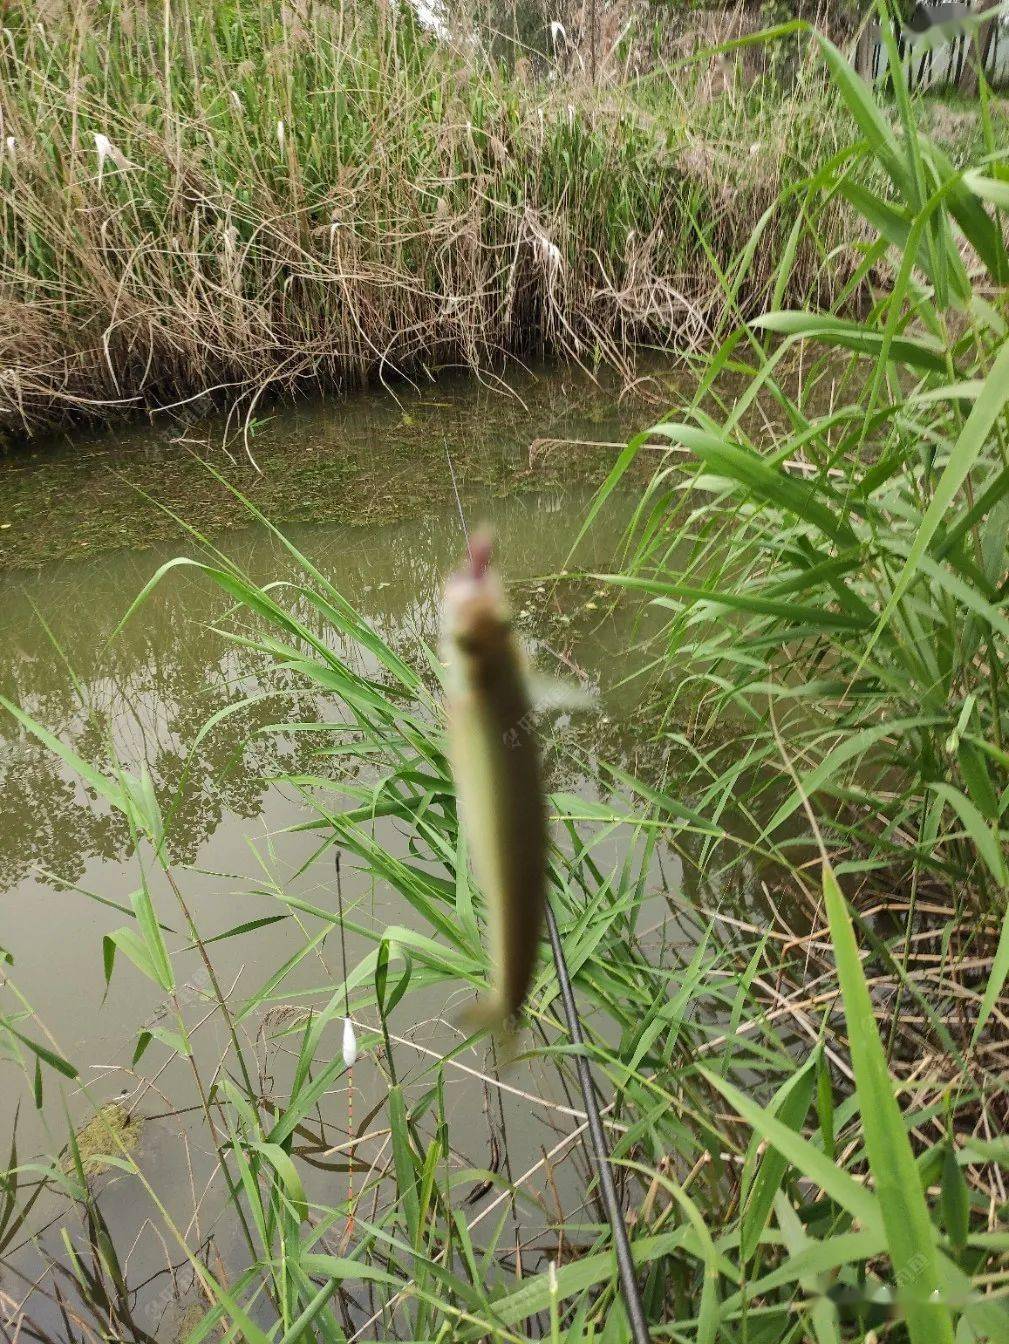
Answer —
(496, 765)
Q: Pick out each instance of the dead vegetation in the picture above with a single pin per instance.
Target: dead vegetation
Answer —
(254, 202)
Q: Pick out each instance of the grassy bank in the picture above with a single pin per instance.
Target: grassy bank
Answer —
(219, 205)
(836, 573)
(257, 198)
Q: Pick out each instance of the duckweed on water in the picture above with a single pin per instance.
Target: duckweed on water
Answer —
(111, 1132)
(363, 461)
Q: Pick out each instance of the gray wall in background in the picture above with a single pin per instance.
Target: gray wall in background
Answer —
(939, 48)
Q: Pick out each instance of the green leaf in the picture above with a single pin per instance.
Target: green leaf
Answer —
(843, 1189)
(346, 1271)
(811, 500)
(127, 941)
(973, 437)
(909, 1232)
(283, 1165)
(263, 993)
(144, 805)
(108, 962)
(618, 471)
(825, 1103)
(42, 1052)
(402, 1153)
(107, 788)
(955, 1199)
(964, 196)
(996, 980)
(790, 1106)
(917, 352)
(535, 1293)
(247, 926)
(862, 105)
(975, 775)
(794, 612)
(987, 188)
(984, 837)
(154, 943)
(850, 747)
(175, 1041)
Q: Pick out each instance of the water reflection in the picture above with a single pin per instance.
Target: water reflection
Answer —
(144, 698)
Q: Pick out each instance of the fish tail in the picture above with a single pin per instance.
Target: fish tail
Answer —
(492, 1015)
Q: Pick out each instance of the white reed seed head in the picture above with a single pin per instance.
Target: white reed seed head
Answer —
(104, 147)
(107, 150)
(550, 253)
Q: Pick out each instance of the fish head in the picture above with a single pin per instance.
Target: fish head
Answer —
(475, 616)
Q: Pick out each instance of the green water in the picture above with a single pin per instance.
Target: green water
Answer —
(365, 491)
(375, 458)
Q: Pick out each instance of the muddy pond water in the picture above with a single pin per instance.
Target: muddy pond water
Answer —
(365, 490)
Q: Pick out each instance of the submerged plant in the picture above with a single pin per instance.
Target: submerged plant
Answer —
(111, 1131)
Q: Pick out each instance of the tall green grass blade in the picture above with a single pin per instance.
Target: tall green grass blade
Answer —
(988, 407)
(909, 1231)
(762, 1181)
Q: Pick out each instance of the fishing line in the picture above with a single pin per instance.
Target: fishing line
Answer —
(348, 1061)
(595, 1145)
(343, 933)
(458, 501)
(594, 1140)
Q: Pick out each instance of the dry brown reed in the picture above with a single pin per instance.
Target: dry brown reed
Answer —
(264, 199)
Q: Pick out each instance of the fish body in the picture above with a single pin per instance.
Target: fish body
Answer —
(499, 786)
